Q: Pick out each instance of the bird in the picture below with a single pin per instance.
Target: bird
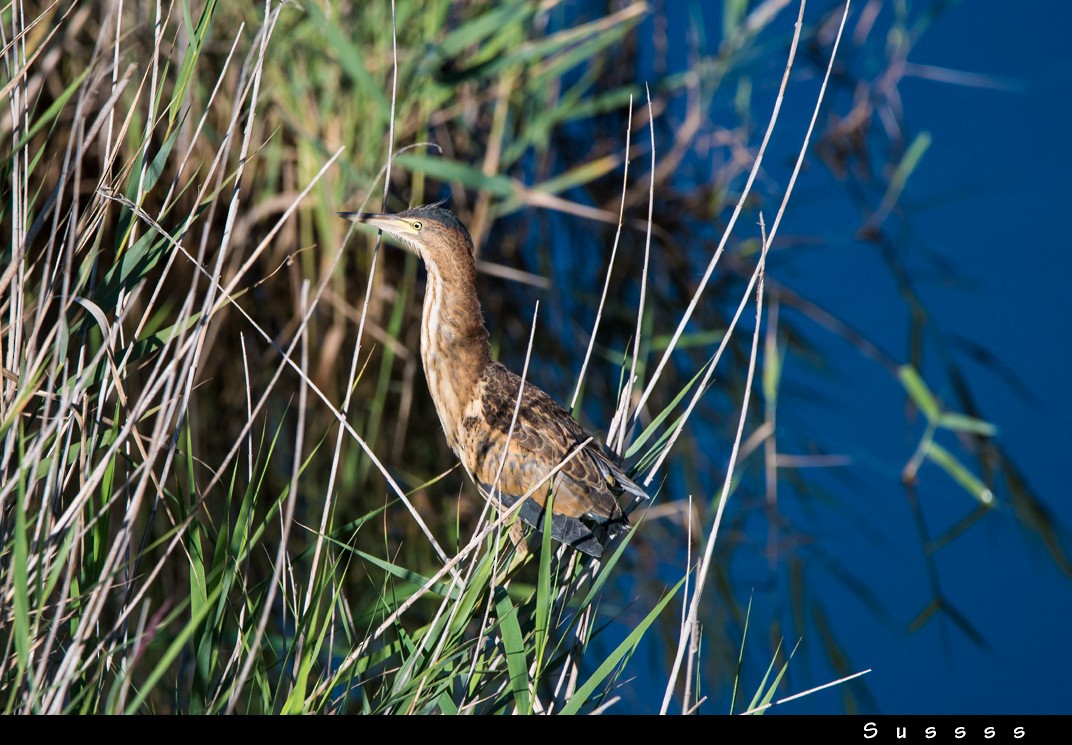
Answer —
(476, 396)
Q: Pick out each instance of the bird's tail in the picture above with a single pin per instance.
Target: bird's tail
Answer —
(626, 486)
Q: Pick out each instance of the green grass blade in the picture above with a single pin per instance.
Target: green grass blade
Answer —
(21, 582)
(544, 595)
(740, 655)
(919, 392)
(514, 643)
(765, 694)
(585, 691)
(445, 170)
(949, 463)
(351, 59)
(171, 654)
(965, 423)
(193, 52)
(912, 157)
(662, 415)
(48, 115)
(440, 588)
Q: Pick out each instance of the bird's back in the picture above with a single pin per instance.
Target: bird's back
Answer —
(586, 490)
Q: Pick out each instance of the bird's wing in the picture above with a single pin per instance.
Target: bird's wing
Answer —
(545, 435)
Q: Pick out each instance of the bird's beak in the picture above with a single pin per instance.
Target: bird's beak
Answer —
(390, 224)
(398, 228)
(383, 222)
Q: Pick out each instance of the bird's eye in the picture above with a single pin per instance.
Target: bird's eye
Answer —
(417, 225)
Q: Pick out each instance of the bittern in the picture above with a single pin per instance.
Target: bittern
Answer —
(475, 397)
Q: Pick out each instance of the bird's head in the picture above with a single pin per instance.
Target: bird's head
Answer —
(435, 234)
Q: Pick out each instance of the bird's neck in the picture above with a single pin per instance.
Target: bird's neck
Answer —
(454, 344)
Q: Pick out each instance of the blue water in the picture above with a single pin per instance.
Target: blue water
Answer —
(979, 230)
(986, 200)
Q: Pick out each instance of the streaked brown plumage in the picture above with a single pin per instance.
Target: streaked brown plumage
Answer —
(475, 397)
